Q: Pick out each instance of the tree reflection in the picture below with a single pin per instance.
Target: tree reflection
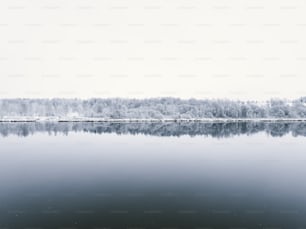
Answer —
(217, 130)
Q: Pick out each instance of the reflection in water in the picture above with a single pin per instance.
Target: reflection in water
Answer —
(218, 130)
(85, 180)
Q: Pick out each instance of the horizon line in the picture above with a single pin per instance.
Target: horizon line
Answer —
(155, 97)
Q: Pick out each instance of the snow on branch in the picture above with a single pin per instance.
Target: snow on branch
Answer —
(155, 108)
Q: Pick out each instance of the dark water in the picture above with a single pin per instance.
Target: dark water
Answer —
(190, 175)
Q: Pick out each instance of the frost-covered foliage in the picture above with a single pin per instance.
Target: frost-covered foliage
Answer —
(156, 108)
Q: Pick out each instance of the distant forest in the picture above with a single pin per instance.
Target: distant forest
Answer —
(155, 108)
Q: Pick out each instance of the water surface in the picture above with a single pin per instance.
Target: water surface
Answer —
(144, 175)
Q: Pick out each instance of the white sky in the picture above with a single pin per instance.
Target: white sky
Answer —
(246, 49)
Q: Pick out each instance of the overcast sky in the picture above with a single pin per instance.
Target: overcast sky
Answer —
(245, 49)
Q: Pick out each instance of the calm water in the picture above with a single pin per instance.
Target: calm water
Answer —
(188, 175)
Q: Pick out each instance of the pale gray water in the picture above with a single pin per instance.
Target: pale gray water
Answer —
(89, 175)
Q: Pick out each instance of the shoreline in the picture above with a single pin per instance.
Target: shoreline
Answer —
(222, 120)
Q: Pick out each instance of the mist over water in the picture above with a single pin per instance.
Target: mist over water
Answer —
(153, 175)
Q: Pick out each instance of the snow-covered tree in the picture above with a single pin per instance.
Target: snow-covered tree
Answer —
(156, 108)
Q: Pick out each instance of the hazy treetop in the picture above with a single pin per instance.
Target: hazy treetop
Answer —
(155, 108)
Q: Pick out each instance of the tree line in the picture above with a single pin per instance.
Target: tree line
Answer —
(155, 108)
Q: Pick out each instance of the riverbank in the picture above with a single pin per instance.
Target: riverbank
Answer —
(90, 119)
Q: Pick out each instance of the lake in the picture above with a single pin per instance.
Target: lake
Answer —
(153, 175)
